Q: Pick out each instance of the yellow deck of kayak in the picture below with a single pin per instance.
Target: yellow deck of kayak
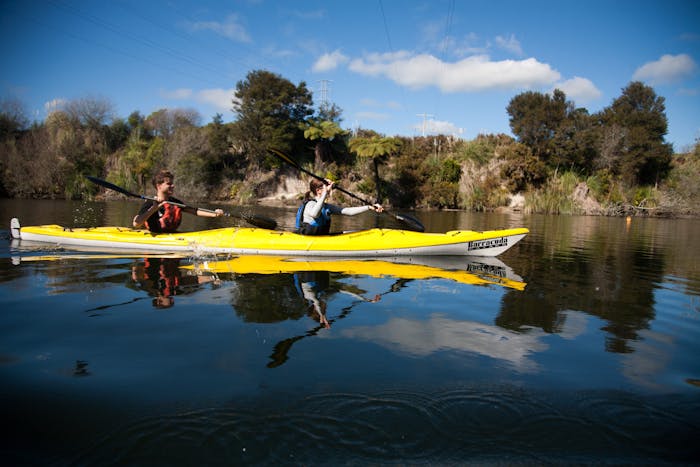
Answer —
(235, 240)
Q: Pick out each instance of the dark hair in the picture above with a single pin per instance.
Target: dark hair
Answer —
(314, 185)
(161, 176)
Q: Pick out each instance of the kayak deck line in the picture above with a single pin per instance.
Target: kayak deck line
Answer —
(247, 240)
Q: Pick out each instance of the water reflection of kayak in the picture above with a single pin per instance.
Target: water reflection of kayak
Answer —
(242, 241)
(468, 270)
(474, 271)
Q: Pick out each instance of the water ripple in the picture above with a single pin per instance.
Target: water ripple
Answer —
(501, 424)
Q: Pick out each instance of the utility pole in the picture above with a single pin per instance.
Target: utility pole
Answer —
(425, 116)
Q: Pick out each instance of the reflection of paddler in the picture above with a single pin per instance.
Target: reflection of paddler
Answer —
(314, 287)
(163, 278)
(167, 279)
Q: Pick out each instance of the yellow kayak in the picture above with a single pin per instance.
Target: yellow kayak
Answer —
(255, 241)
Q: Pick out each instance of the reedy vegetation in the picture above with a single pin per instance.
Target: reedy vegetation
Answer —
(562, 160)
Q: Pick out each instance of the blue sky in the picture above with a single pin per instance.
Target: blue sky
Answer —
(400, 67)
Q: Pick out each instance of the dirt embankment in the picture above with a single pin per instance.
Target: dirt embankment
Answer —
(286, 191)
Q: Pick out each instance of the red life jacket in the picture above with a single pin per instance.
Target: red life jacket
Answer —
(165, 279)
(170, 218)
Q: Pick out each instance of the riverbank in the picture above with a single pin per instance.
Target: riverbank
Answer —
(288, 191)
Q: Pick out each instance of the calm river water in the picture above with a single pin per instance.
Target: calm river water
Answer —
(580, 346)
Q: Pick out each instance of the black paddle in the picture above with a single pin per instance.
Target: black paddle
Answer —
(257, 221)
(409, 221)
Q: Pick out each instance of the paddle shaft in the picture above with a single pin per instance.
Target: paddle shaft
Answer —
(258, 221)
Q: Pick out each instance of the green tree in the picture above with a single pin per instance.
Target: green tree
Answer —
(12, 118)
(377, 149)
(90, 112)
(535, 119)
(522, 170)
(117, 134)
(330, 111)
(323, 132)
(140, 160)
(164, 122)
(190, 157)
(642, 156)
(220, 141)
(12, 123)
(78, 137)
(576, 141)
(441, 189)
(137, 126)
(271, 111)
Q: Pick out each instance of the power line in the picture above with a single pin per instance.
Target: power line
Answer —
(225, 54)
(386, 28)
(143, 41)
(444, 48)
(448, 28)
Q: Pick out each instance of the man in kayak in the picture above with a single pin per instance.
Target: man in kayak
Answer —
(169, 215)
(314, 214)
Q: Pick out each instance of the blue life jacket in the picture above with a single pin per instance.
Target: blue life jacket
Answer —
(320, 226)
(319, 281)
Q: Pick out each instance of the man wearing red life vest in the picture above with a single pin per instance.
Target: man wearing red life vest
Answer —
(168, 215)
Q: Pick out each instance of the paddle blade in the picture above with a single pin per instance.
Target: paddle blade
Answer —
(411, 222)
(284, 157)
(261, 221)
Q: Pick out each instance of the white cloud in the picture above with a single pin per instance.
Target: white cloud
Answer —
(475, 73)
(468, 45)
(580, 90)
(328, 62)
(230, 28)
(441, 334)
(511, 44)
(437, 127)
(667, 69)
(220, 99)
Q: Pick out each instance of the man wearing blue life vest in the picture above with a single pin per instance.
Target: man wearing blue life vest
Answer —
(314, 214)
